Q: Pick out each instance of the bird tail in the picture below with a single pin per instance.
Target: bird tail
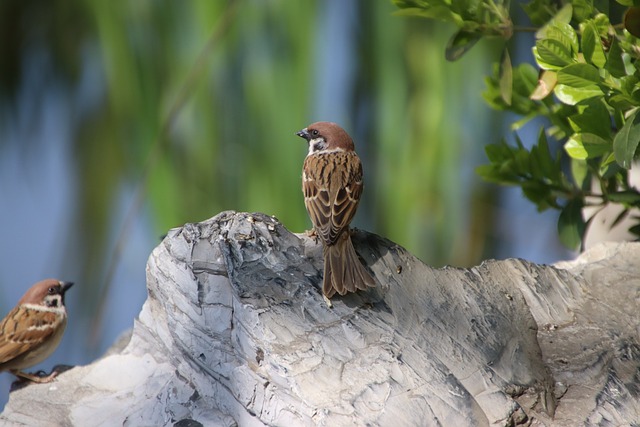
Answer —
(343, 271)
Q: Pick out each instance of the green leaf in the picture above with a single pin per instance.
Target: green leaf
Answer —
(571, 95)
(615, 63)
(525, 78)
(501, 169)
(628, 197)
(460, 43)
(579, 76)
(586, 146)
(621, 102)
(582, 9)
(635, 229)
(541, 161)
(538, 193)
(506, 77)
(496, 152)
(551, 54)
(493, 173)
(523, 121)
(626, 141)
(580, 173)
(562, 17)
(522, 164)
(592, 117)
(611, 158)
(602, 23)
(539, 11)
(546, 83)
(564, 33)
(571, 225)
(610, 170)
(629, 85)
(588, 40)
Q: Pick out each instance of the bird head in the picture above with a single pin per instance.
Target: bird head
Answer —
(326, 136)
(47, 293)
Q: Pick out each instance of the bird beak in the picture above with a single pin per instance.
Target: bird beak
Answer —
(304, 133)
(65, 286)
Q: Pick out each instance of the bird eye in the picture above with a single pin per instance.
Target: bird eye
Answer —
(51, 290)
(315, 132)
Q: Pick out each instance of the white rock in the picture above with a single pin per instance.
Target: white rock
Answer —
(235, 332)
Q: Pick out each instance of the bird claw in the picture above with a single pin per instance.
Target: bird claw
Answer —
(312, 234)
(327, 300)
(35, 377)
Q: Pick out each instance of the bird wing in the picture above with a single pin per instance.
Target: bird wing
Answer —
(332, 186)
(24, 329)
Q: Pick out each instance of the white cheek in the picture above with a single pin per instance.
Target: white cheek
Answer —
(314, 144)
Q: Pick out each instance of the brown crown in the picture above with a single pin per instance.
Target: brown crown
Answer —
(335, 136)
(36, 294)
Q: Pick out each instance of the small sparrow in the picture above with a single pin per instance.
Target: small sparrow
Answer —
(332, 186)
(33, 329)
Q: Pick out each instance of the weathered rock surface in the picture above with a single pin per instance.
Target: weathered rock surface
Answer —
(235, 332)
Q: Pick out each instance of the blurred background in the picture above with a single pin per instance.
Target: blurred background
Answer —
(120, 120)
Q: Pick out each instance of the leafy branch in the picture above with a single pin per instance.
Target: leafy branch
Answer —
(587, 86)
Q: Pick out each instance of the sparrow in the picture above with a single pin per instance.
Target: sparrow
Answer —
(33, 329)
(332, 186)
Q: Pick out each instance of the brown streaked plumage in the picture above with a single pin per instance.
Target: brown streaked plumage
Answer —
(332, 186)
(34, 328)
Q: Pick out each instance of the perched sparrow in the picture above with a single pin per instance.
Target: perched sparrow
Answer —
(332, 186)
(33, 329)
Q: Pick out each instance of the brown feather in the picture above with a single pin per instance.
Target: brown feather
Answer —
(332, 186)
(25, 330)
(34, 328)
(343, 271)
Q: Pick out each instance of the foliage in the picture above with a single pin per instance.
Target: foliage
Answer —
(179, 111)
(586, 86)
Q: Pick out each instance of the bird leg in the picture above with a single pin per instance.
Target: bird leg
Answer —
(312, 234)
(35, 378)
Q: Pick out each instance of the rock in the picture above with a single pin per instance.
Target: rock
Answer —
(235, 332)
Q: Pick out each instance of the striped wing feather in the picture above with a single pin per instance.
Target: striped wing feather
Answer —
(23, 329)
(332, 185)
